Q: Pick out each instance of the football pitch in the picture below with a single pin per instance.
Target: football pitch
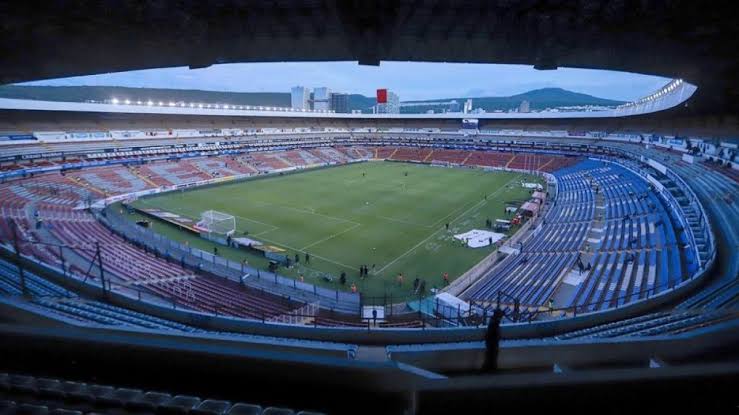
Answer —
(388, 216)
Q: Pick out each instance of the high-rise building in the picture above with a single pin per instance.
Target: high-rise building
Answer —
(524, 106)
(453, 106)
(340, 103)
(299, 98)
(321, 99)
(387, 102)
(467, 106)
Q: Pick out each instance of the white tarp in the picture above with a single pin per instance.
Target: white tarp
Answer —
(477, 238)
(531, 185)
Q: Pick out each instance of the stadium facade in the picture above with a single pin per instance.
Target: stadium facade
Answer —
(635, 240)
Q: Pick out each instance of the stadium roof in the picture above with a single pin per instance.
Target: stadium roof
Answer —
(695, 41)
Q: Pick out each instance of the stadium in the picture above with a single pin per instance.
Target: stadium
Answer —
(175, 258)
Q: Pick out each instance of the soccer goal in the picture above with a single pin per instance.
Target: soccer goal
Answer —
(216, 226)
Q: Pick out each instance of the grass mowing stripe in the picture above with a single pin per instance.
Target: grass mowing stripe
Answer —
(359, 214)
(437, 231)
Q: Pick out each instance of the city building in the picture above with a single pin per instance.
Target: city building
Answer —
(387, 102)
(524, 107)
(321, 99)
(299, 98)
(454, 106)
(340, 103)
(467, 106)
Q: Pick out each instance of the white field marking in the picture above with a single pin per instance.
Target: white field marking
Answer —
(256, 221)
(330, 237)
(265, 232)
(452, 221)
(438, 222)
(183, 210)
(312, 254)
(309, 212)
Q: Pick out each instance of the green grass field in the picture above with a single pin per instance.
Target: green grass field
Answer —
(344, 219)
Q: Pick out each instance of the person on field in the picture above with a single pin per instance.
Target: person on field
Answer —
(445, 277)
(307, 258)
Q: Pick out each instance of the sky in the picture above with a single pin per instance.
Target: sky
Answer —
(410, 80)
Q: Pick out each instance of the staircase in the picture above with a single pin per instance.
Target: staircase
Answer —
(692, 215)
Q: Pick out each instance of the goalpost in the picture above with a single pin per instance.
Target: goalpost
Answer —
(216, 226)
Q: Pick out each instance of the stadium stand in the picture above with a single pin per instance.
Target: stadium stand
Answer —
(22, 394)
(618, 276)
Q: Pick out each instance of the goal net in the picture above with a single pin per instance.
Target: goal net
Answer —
(218, 224)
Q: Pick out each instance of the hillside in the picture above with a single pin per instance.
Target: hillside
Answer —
(538, 99)
(102, 93)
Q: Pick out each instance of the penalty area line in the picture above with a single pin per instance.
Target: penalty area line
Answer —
(475, 206)
(330, 237)
(313, 255)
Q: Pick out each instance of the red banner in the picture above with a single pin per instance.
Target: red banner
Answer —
(382, 96)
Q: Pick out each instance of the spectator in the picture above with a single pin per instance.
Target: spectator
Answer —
(492, 342)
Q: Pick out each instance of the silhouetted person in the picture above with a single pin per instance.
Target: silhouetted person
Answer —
(492, 342)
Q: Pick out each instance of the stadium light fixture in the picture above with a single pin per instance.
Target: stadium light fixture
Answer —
(161, 103)
(138, 102)
(149, 103)
(171, 104)
(128, 102)
(114, 100)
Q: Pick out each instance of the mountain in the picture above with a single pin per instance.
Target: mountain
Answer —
(103, 93)
(538, 99)
(361, 102)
